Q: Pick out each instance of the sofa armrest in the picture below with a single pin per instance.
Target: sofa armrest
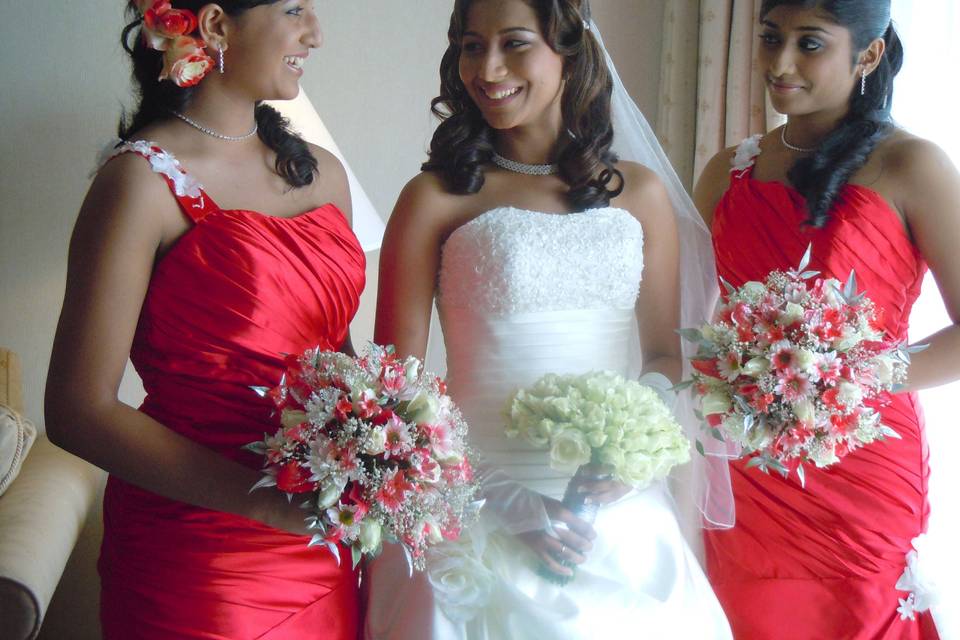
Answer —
(41, 516)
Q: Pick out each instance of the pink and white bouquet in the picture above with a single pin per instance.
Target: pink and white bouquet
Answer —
(793, 368)
(377, 448)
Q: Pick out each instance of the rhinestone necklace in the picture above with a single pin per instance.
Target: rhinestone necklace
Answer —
(213, 133)
(793, 147)
(524, 168)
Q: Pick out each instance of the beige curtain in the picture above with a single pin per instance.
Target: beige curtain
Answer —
(712, 95)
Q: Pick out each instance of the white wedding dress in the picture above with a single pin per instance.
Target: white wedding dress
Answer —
(522, 294)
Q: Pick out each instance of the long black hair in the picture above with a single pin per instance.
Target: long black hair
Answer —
(820, 176)
(158, 98)
(463, 142)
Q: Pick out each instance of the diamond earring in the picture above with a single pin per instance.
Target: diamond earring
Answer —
(863, 82)
(220, 58)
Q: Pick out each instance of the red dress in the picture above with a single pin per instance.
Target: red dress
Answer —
(238, 291)
(821, 563)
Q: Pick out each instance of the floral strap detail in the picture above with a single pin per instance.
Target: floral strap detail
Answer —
(745, 155)
(186, 189)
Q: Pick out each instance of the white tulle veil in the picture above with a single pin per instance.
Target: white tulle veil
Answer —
(702, 488)
(707, 479)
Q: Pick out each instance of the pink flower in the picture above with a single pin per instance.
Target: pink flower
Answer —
(394, 490)
(793, 386)
(783, 356)
(393, 377)
(441, 439)
(424, 466)
(399, 441)
(185, 62)
(367, 405)
(828, 367)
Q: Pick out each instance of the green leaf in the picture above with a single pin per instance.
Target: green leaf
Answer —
(692, 335)
(700, 448)
(261, 391)
(806, 275)
(259, 447)
(717, 435)
(756, 462)
(802, 475)
(850, 289)
(335, 550)
(729, 287)
(265, 481)
(355, 556)
(805, 260)
(890, 433)
(917, 348)
(680, 386)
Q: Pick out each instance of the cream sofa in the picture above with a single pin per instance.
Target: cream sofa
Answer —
(41, 516)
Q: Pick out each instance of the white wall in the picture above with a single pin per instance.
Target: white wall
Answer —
(65, 78)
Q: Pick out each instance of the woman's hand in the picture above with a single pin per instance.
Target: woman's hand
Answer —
(573, 540)
(597, 485)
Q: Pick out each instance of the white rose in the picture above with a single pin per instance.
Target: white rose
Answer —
(752, 292)
(716, 402)
(805, 360)
(849, 394)
(422, 409)
(804, 410)
(370, 534)
(461, 584)
(756, 367)
(329, 494)
(791, 314)
(568, 450)
(885, 370)
(376, 442)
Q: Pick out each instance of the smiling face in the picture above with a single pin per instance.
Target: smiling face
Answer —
(807, 61)
(509, 70)
(269, 45)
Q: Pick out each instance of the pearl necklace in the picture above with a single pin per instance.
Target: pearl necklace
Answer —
(793, 147)
(524, 168)
(213, 133)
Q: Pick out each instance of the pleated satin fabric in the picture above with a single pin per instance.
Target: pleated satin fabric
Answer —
(823, 561)
(235, 294)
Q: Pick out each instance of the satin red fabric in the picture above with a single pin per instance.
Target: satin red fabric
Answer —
(238, 291)
(822, 562)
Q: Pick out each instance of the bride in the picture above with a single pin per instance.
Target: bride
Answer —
(532, 238)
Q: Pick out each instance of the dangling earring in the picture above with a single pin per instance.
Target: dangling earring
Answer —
(220, 58)
(863, 81)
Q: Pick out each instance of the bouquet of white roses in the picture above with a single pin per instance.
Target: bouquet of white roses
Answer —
(792, 369)
(600, 418)
(377, 448)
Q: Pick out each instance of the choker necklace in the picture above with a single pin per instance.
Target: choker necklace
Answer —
(213, 133)
(524, 168)
(793, 147)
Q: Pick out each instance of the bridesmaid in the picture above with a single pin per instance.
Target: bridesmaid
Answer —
(824, 561)
(205, 288)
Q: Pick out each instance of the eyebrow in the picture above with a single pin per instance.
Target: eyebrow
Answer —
(774, 25)
(501, 32)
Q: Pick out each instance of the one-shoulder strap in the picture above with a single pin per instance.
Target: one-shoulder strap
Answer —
(745, 156)
(194, 202)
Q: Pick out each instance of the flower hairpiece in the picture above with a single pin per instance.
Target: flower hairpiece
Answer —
(165, 29)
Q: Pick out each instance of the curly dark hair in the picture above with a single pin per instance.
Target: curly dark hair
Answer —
(158, 98)
(463, 142)
(820, 176)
